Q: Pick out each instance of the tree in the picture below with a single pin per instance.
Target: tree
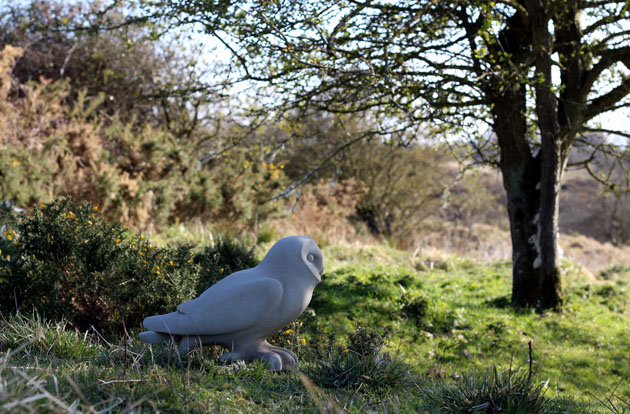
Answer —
(144, 78)
(536, 72)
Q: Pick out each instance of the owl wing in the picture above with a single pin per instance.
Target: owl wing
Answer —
(229, 306)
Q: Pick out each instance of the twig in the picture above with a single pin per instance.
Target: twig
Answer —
(531, 362)
(291, 188)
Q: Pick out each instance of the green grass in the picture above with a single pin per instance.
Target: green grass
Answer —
(449, 342)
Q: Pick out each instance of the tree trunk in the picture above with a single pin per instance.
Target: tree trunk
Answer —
(551, 173)
(532, 185)
(523, 204)
(522, 181)
(532, 203)
(552, 159)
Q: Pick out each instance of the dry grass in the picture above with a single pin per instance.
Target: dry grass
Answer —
(329, 224)
(325, 213)
(592, 254)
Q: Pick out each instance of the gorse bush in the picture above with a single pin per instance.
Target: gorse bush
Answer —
(66, 261)
(225, 257)
(140, 176)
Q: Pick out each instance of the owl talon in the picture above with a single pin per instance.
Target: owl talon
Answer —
(273, 360)
(229, 357)
(188, 344)
(289, 359)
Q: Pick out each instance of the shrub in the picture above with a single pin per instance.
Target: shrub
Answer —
(140, 176)
(325, 212)
(67, 262)
(225, 257)
(401, 186)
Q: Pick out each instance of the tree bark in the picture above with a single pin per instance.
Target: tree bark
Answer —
(551, 155)
(551, 173)
(522, 183)
(521, 173)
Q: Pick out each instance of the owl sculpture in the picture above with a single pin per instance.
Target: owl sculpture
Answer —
(242, 310)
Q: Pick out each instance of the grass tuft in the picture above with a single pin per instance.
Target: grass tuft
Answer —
(363, 362)
(495, 391)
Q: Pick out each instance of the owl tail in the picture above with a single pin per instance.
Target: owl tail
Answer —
(152, 337)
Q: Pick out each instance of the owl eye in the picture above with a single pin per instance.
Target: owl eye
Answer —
(310, 257)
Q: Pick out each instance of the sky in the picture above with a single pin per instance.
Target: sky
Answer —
(209, 51)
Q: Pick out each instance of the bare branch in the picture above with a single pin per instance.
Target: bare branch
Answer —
(607, 101)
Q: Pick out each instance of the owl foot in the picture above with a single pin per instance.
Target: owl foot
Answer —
(188, 344)
(276, 358)
(289, 359)
(229, 357)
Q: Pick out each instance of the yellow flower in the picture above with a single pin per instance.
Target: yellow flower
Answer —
(117, 240)
(303, 341)
(9, 237)
(90, 222)
(42, 205)
(141, 254)
(281, 166)
(386, 342)
(221, 270)
(288, 331)
(95, 208)
(16, 162)
(145, 262)
(170, 262)
(141, 236)
(346, 350)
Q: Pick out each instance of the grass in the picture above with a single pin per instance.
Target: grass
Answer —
(387, 331)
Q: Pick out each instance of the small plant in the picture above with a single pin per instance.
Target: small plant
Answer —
(361, 362)
(429, 316)
(510, 391)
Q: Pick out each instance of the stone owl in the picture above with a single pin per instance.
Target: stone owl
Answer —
(242, 310)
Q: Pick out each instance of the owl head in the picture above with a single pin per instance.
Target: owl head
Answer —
(296, 256)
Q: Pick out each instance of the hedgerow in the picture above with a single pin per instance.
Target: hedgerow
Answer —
(65, 261)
